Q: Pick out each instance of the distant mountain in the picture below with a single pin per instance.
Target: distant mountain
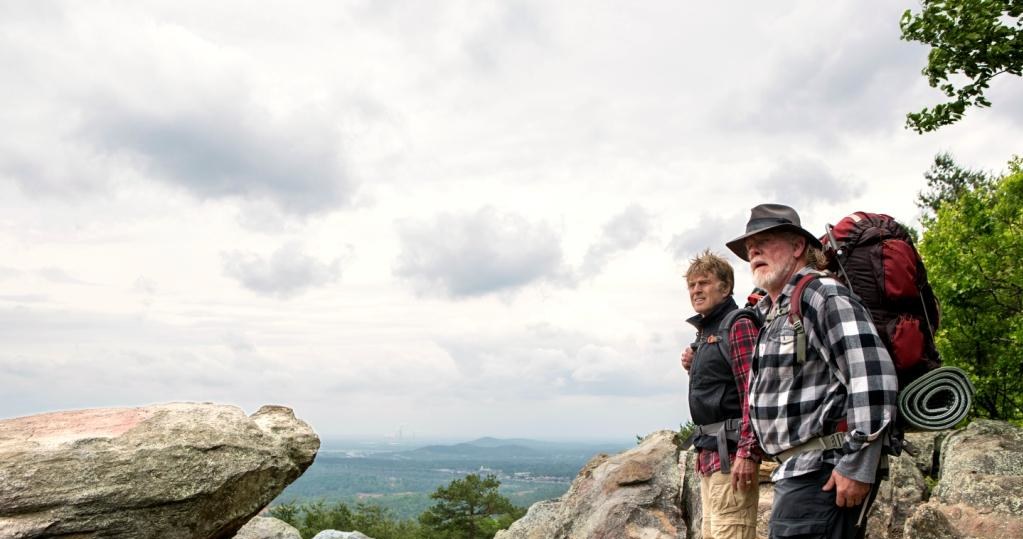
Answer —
(490, 447)
(473, 450)
(490, 441)
(552, 447)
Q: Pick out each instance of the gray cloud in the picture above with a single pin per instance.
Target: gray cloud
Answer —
(477, 254)
(161, 99)
(622, 233)
(286, 273)
(711, 233)
(804, 182)
(219, 148)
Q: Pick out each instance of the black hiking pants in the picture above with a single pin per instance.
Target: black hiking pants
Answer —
(802, 510)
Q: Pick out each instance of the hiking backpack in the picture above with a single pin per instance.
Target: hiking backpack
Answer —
(874, 256)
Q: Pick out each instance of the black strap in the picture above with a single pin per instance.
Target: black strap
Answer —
(722, 430)
(724, 340)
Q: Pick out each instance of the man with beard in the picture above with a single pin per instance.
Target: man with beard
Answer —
(728, 457)
(822, 397)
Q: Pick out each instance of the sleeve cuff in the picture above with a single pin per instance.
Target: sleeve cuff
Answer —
(861, 465)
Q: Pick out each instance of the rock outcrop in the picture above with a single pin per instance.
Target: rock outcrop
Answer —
(636, 495)
(183, 470)
(692, 509)
(897, 498)
(980, 493)
(632, 495)
(267, 528)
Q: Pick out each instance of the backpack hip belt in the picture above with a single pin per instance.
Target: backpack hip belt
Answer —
(722, 430)
(820, 443)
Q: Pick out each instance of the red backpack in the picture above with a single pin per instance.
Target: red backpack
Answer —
(874, 256)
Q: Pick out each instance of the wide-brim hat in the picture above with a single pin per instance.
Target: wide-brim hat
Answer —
(773, 217)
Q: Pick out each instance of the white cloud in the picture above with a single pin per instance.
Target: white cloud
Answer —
(170, 171)
(543, 360)
(58, 275)
(851, 83)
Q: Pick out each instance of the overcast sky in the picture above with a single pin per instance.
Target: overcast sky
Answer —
(452, 219)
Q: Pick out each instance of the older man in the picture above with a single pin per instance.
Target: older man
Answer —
(824, 387)
(728, 458)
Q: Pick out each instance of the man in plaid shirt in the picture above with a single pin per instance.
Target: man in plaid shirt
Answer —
(728, 457)
(842, 383)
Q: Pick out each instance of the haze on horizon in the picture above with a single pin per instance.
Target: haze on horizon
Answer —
(456, 218)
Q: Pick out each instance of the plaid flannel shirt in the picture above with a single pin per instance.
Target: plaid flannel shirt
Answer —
(742, 339)
(847, 374)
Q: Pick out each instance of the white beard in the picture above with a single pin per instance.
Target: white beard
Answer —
(774, 280)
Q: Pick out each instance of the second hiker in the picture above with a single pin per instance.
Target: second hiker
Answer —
(728, 457)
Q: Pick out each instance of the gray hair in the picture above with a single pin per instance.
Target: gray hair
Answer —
(814, 257)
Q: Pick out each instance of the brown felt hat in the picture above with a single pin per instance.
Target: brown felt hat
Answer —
(773, 217)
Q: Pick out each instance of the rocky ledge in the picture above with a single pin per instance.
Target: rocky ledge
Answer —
(181, 470)
(964, 484)
(632, 495)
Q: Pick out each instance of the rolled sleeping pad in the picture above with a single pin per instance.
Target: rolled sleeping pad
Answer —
(937, 400)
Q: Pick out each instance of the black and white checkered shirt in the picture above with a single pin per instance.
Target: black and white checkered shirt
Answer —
(847, 374)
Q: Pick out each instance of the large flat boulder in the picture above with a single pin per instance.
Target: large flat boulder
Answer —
(632, 495)
(334, 534)
(173, 471)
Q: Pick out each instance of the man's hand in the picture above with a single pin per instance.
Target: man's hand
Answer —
(687, 358)
(743, 472)
(850, 492)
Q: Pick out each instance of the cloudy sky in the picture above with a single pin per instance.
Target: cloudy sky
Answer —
(452, 219)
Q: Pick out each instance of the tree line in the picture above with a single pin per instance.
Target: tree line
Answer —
(973, 248)
(467, 508)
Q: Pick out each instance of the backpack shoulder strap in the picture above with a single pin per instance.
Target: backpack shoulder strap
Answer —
(796, 314)
(725, 340)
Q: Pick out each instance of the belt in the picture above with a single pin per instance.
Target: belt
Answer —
(723, 431)
(820, 443)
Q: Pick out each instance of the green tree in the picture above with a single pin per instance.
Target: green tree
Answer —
(380, 523)
(469, 508)
(288, 512)
(318, 516)
(973, 247)
(975, 40)
(310, 518)
(685, 432)
(946, 182)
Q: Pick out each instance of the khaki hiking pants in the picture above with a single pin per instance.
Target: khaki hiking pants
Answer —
(727, 513)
